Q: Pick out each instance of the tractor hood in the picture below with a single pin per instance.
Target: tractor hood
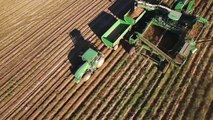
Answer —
(81, 71)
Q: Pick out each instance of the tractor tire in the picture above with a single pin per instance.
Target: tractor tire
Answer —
(100, 62)
(116, 47)
(87, 76)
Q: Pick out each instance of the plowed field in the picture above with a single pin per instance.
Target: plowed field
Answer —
(40, 42)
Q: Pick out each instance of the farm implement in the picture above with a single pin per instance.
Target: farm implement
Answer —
(119, 29)
(92, 60)
(159, 32)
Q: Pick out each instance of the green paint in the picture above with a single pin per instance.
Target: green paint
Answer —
(89, 58)
(89, 55)
(174, 15)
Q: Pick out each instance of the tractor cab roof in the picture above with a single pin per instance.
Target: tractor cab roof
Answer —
(89, 55)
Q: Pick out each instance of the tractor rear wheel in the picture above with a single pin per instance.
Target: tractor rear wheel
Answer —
(87, 76)
(100, 62)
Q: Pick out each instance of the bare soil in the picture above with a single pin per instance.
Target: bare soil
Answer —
(39, 45)
(134, 14)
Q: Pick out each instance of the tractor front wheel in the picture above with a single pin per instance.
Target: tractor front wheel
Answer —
(87, 76)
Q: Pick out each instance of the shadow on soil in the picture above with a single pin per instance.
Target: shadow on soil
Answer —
(102, 23)
(121, 7)
(152, 1)
(80, 46)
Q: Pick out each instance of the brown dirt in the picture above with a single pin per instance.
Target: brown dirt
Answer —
(36, 81)
(134, 14)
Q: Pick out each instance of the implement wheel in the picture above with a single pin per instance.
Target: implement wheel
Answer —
(100, 62)
(116, 47)
(87, 76)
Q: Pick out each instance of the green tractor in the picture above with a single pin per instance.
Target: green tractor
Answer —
(92, 60)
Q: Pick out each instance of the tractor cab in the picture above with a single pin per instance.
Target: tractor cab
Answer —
(89, 55)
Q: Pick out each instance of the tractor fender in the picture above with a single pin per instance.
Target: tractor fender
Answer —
(81, 71)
